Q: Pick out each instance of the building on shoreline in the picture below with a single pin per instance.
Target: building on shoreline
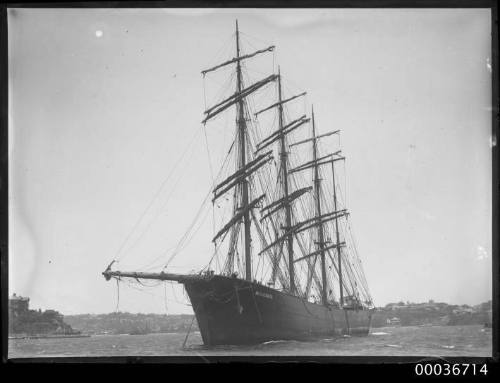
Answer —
(432, 313)
(24, 321)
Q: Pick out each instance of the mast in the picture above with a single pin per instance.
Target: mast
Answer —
(321, 241)
(241, 122)
(288, 217)
(337, 237)
(242, 205)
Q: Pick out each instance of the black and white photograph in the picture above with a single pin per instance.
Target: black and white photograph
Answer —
(250, 182)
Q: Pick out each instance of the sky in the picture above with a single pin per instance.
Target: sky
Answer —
(108, 159)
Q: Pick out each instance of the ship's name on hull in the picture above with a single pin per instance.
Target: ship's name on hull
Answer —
(265, 295)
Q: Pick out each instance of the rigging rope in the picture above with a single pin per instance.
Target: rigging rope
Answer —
(156, 195)
(211, 175)
(117, 294)
(181, 244)
(165, 297)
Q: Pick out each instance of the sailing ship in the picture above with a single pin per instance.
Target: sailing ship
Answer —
(314, 285)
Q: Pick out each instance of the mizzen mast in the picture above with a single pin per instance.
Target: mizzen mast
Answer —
(320, 218)
(339, 260)
(317, 192)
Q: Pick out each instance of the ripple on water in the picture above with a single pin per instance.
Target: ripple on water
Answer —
(275, 341)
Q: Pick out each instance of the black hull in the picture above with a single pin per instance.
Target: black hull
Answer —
(232, 311)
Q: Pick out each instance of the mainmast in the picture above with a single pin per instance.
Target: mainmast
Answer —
(341, 290)
(241, 122)
(285, 202)
(284, 169)
(317, 191)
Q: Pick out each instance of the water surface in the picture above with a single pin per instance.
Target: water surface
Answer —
(387, 341)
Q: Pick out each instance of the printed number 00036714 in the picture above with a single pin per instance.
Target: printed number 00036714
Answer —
(445, 369)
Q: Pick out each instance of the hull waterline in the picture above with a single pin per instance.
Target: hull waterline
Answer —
(232, 311)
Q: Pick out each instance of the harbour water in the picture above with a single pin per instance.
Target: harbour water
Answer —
(388, 341)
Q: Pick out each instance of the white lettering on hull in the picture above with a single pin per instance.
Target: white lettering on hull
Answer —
(265, 295)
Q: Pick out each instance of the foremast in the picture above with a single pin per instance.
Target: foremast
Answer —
(241, 123)
(239, 180)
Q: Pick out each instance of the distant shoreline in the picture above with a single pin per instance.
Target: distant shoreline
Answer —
(17, 337)
(48, 336)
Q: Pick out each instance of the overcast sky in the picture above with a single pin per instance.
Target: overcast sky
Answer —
(104, 103)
